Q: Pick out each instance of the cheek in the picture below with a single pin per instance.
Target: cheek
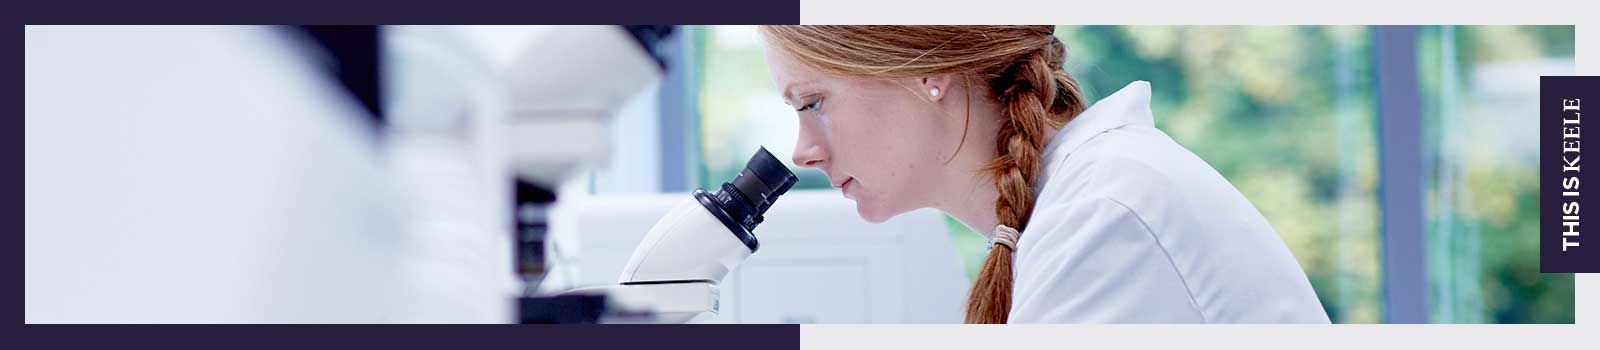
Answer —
(882, 152)
(871, 145)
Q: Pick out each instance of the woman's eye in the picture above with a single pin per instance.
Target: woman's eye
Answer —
(810, 106)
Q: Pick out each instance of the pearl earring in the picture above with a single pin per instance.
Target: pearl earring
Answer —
(934, 92)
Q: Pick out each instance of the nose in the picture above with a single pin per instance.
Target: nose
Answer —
(809, 152)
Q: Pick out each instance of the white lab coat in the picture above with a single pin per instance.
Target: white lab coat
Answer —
(1130, 227)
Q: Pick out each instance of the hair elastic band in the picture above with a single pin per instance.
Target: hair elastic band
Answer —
(1004, 235)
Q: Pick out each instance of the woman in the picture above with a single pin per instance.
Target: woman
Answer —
(1109, 220)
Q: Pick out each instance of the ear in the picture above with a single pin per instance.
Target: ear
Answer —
(935, 87)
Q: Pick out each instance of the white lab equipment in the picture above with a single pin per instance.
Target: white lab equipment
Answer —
(219, 174)
(199, 175)
(445, 144)
(819, 262)
(562, 103)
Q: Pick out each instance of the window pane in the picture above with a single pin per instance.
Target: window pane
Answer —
(1479, 88)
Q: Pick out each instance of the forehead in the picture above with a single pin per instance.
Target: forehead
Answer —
(788, 74)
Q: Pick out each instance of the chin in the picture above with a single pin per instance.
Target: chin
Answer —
(873, 215)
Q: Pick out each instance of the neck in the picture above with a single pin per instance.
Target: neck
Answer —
(970, 191)
(972, 202)
(967, 190)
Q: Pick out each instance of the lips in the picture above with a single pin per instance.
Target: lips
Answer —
(845, 186)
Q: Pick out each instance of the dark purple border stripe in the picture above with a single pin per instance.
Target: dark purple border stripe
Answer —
(279, 337)
(406, 12)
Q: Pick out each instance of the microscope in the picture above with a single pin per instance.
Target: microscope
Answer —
(674, 272)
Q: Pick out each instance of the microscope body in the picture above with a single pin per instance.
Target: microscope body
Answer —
(689, 244)
(674, 273)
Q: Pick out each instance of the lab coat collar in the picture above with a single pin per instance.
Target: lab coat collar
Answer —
(1128, 106)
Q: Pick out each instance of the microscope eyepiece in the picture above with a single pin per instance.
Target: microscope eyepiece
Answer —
(741, 202)
(763, 179)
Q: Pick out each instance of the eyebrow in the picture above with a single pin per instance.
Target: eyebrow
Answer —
(788, 92)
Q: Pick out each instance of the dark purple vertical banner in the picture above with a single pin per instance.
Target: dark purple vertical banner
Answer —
(1569, 224)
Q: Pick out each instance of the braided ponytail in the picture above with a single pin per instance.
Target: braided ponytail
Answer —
(1023, 68)
(1036, 96)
